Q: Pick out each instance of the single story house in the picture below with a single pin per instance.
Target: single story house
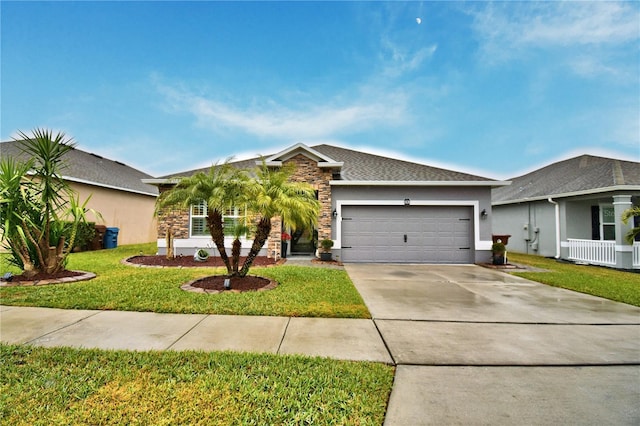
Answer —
(572, 210)
(117, 192)
(374, 208)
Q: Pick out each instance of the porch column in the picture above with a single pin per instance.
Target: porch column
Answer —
(624, 254)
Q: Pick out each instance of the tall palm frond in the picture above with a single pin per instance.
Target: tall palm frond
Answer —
(635, 231)
(221, 188)
(272, 194)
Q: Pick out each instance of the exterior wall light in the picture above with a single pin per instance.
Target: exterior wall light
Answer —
(335, 213)
(407, 202)
(484, 214)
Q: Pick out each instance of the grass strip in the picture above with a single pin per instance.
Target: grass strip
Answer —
(56, 386)
(302, 291)
(621, 286)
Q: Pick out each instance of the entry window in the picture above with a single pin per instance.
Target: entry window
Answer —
(199, 220)
(608, 223)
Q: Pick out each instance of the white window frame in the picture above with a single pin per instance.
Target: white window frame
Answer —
(203, 208)
(603, 223)
(232, 215)
(229, 216)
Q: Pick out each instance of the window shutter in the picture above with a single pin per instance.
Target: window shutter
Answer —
(595, 222)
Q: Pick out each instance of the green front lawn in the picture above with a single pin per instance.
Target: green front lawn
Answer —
(45, 386)
(302, 291)
(598, 281)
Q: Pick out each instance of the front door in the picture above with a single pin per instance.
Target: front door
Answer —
(303, 241)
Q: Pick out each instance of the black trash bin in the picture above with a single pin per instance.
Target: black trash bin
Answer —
(111, 238)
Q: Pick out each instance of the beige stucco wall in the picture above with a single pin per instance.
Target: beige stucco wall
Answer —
(130, 212)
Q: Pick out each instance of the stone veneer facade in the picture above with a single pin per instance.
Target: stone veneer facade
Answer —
(307, 170)
(174, 218)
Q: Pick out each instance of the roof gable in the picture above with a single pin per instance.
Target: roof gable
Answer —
(579, 175)
(91, 169)
(324, 161)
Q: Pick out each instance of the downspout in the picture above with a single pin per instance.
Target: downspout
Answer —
(557, 207)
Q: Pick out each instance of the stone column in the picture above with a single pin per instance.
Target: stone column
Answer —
(624, 250)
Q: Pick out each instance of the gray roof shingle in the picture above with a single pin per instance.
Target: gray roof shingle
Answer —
(361, 166)
(579, 174)
(93, 169)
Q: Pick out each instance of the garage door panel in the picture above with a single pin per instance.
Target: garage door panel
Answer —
(434, 234)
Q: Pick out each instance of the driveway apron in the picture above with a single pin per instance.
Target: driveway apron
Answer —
(478, 346)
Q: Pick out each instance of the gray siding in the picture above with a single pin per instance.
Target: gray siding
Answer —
(539, 219)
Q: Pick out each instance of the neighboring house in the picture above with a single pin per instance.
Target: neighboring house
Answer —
(376, 209)
(117, 192)
(572, 210)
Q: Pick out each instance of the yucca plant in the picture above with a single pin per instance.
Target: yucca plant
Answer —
(34, 202)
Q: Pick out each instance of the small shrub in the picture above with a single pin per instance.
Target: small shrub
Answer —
(326, 244)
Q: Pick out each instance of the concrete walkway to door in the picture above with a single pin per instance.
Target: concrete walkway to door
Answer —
(477, 346)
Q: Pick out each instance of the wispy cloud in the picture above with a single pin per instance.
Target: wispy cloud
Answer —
(403, 59)
(269, 119)
(508, 30)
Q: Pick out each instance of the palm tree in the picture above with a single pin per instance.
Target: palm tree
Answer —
(271, 194)
(628, 214)
(239, 229)
(221, 189)
(33, 207)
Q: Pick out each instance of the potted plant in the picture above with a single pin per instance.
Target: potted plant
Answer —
(201, 255)
(326, 245)
(498, 250)
(285, 244)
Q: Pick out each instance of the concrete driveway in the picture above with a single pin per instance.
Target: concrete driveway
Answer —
(477, 346)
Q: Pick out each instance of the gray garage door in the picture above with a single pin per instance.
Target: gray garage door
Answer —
(407, 234)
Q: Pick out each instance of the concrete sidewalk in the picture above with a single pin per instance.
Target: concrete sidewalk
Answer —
(346, 339)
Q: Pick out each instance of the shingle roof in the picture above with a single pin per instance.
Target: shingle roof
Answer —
(362, 166)
(81, 166)
(576, 175)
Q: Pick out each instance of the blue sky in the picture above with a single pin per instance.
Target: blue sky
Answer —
(496, 89)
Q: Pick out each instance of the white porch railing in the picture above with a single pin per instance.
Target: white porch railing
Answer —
(636, 254)
(593, 251)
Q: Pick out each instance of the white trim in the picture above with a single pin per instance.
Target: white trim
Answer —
(556, 206)
(104, 185)
(201, 242)
(571, 194)
(160, 181)
(322, 160)
(418, 183)
(478, 244)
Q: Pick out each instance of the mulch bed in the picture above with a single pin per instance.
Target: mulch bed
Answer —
(188, 261)
(43, 276)
(62, 277)
(238, 284)
(214, 283)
